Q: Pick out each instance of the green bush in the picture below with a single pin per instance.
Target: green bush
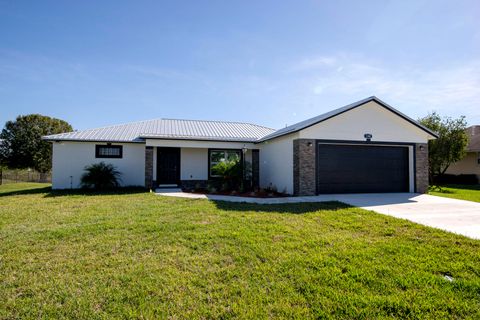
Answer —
(100, 176)
(230, 172)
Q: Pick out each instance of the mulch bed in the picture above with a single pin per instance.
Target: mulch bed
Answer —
(249, 194)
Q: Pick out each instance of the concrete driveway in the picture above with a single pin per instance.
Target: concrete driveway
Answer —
(458, 216)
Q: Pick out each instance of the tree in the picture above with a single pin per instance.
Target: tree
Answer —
(22, 146)
(449, 147)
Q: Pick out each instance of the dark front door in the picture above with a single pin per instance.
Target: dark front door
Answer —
(168, 165)
(361, 168)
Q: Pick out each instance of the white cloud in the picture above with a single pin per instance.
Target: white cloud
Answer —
(453, 89)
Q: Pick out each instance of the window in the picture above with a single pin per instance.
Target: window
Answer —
(217, 156)
(108, 151)
(478, 158)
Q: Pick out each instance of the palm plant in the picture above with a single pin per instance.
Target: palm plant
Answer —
(100, 176)
(230, 173)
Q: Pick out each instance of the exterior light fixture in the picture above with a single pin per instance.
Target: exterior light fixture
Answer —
(309, 144)
(368, 136)
(421, 148)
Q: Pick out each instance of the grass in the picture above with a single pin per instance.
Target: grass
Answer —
(457, 191)
(137, 255)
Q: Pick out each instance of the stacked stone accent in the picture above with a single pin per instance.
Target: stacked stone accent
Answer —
(193, 184)
(304, 173)
(149, 167)
(421, 170)
(255, 168)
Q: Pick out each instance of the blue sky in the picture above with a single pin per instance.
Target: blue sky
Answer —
(96, 63)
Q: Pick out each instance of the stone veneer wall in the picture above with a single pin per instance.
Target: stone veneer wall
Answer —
(255, 168)
(421, 170)
(304, 173)
(149, 167)
(193, 184)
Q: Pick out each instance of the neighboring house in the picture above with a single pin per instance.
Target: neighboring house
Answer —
(471, 163)
(367, 146)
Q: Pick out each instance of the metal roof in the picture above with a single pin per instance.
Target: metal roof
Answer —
(312, 121)
(169, 129)
(208, 130)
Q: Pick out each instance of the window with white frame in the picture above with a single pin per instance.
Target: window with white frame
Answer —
(216, 156)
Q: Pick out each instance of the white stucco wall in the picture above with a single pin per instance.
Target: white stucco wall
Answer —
(70, 158)
(193, 164)
(276, 163)
(371, 118)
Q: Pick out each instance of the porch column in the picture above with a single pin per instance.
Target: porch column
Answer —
(149, 167)
(255, 168)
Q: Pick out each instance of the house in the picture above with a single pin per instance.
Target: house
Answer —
(471, 163)
(367, 146)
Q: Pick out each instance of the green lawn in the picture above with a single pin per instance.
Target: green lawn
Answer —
(457, 191)
(137, 255)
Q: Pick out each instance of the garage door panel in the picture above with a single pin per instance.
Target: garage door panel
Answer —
(360, 168)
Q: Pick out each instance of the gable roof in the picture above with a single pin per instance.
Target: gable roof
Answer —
(312, 121)
(169, 129)
(473, 133)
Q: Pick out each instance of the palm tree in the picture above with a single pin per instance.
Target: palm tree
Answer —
(101, 176)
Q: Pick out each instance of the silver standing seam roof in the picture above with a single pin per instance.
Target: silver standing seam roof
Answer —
(168, 129)
(208, 130)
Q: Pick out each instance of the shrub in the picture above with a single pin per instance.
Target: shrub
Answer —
(230, 173)
(100, 176)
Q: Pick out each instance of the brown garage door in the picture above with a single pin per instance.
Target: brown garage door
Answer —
(361, 168)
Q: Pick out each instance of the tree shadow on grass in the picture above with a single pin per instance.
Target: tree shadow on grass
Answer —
(83, 192)
(33, 190)
(294, 208)
(463, 186)
(441, 187)
(90, 192)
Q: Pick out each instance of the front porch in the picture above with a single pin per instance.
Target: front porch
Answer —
(188, 164)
